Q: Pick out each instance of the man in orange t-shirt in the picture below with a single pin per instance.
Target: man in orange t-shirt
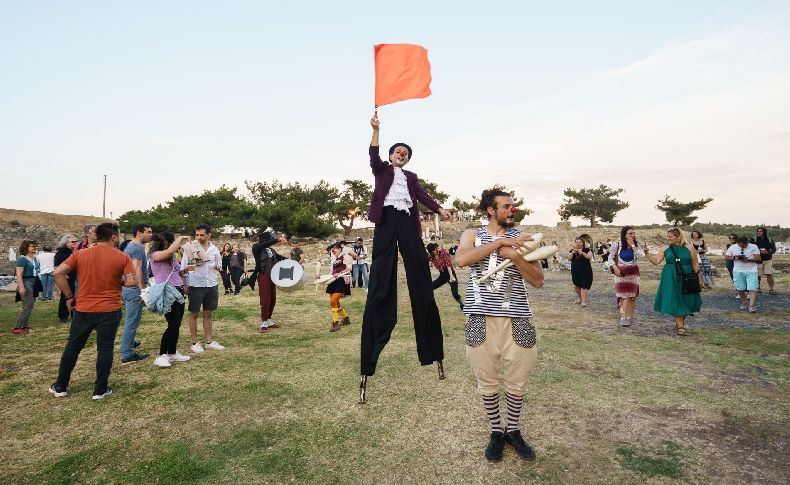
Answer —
(102, 271)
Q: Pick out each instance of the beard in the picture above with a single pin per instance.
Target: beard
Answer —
(506, 222)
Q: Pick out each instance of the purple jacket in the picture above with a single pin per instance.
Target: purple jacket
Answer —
(385, 175)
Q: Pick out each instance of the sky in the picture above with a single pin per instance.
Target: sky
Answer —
(690, 99)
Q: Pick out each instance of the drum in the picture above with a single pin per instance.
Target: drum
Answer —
(288, 275)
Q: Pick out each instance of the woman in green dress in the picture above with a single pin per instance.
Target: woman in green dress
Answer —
(670, 299)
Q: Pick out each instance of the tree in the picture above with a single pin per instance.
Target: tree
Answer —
(564, 214)
(596, 203)
(353, 204)
(462, 206)
(433, 191)
(294, 209)
(679, 213)
(523, 210)
(216, 208)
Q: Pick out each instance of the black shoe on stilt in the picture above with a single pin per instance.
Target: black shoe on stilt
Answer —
(363, 387)
(440, 368)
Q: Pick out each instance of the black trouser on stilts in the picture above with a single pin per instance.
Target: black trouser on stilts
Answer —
(381, 307)
(444, 277)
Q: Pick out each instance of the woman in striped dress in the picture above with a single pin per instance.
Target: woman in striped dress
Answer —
(622, 261)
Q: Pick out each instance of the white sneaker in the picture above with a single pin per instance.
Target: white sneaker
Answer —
(162, 361)
(214, 346)
(177, 357)
(264, 324)
(743, 307)
(197, 348)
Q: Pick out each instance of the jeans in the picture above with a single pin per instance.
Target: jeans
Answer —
(359, 275)
(106, 326)
(134, 311)
(27, 304)
(48, 284)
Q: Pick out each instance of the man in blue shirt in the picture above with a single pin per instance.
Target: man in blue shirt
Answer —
(131, 296)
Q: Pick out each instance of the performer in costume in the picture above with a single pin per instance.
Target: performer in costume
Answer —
(265, 258)
(341, 267)
(442, 261)
(394, 210)
(498, 330)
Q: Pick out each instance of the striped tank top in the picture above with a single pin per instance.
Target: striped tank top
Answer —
(502, 295)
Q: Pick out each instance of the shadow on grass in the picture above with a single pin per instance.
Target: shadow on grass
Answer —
(661, 461)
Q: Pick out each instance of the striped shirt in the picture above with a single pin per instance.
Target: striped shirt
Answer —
(502, 295)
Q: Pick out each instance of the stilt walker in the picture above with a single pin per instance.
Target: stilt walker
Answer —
(402, 72)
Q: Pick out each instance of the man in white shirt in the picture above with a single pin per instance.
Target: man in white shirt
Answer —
(203, 288)
(746, 257)
(359, 270)
(46, 260)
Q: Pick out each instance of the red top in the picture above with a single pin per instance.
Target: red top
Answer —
(99, 271)
(442, 262)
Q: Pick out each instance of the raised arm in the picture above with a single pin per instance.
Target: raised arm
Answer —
(376, 163)
(170, 251)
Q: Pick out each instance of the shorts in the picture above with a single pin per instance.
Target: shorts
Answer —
(745, 281)
(767, 267)
(493, 341)
(207, 297)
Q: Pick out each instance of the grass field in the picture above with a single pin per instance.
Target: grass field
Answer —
(605, 405)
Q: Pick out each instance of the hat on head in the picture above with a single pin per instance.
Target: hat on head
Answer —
(407, 147)
(338, 244)
(431, 247)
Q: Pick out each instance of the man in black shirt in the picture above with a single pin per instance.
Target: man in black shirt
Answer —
(767, 250)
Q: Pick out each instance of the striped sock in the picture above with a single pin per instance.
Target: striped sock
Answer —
(491, 404)
(514, 405)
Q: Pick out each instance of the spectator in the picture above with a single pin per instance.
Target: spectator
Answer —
(103, 270)
(581, 269)
(165, 267)
(442, 261)
(622, 261)
(203, 288)
(767, 249)
(706, 270)
(65, 248)
(732, 239)
(746, 257)
(28, 284)
(670, 299)
(359, 270)
(46, 259)
(237, 264)
(90, 237)
(141, 234)
(227, 250)
(297, 253)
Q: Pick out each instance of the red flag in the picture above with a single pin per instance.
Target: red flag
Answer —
(402, 72)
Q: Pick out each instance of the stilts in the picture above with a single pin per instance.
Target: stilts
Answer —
(363, 386)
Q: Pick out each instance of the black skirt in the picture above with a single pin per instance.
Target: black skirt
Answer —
(339, 286)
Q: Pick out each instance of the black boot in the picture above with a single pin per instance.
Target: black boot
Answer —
(495, 446)
(363, 387)
(523, 448)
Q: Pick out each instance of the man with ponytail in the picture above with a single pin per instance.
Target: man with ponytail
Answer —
(499, 332)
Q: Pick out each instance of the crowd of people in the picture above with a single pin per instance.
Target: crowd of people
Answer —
(99, 275)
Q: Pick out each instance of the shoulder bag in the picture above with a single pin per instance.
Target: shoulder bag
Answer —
(689, 281)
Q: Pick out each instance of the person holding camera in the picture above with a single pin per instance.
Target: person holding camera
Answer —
(745, 275)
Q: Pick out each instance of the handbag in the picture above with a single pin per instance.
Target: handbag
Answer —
(689, 281)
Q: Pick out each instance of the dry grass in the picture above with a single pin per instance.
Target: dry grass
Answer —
(605, 406)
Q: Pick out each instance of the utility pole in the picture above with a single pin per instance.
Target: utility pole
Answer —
(104, 198)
